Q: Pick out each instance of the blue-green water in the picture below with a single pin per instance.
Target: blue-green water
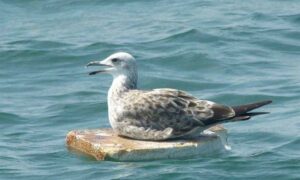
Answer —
(231, 52)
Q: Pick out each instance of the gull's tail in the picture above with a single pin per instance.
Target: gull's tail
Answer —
(242, 112)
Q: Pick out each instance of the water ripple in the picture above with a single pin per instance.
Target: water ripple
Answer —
(231, 52)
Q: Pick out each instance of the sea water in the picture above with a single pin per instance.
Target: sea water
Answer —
(231, 52)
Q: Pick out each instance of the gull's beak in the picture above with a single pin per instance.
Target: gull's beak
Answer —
(98, 63)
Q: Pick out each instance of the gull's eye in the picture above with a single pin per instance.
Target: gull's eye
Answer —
(115, 60)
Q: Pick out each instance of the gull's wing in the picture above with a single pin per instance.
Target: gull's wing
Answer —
(169, 108)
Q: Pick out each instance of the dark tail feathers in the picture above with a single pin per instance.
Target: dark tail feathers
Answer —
(243, 111)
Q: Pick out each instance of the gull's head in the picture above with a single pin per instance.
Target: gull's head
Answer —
(120, 63)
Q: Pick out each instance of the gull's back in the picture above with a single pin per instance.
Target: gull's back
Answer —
(164, 113)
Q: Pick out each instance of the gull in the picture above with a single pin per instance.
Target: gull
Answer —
(160, 114)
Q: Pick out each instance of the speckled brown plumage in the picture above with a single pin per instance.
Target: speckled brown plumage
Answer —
(164, 113)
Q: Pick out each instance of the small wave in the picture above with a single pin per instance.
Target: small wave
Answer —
(10, 118)
(287, 148)
(41, 58)
(99, 45)
(294, 18)
(69, 109)
(10, 55)
(293, 35)
(77, 94)
(277, 45)
(262, 17)
(104, 48)
(190, 35)
(37, 44)
(291, 145)
(180, 35)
